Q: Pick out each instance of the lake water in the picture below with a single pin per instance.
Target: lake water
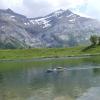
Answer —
(29, 80)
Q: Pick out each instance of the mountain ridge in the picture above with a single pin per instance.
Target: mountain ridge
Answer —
(61, 28)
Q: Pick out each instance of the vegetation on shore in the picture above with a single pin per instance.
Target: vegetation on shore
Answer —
(47, 53)
(18, 54)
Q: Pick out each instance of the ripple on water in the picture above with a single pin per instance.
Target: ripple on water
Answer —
(91, 94)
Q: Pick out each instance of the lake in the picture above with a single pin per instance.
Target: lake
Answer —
(29, 80)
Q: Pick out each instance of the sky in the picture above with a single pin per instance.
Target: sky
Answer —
(36, 8)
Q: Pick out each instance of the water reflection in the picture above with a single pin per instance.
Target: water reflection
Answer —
(1, 78)
(35, 84)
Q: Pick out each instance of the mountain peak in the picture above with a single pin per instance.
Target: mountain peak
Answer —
(60, 10)
(68, 12)
(61, 28)
(56, 13)
(9, 10)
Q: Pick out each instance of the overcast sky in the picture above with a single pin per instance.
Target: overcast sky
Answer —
(34, 8)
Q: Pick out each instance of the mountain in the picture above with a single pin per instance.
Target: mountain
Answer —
(59, 29)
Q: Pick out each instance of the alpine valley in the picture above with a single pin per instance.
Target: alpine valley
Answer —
(61, 28)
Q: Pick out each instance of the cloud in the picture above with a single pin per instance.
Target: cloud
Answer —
(89, 8)
(9, 3)
(93, 8)
(43, 7)
(34, 8)
(37, 7)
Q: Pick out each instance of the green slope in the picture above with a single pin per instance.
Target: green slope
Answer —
(47, 52)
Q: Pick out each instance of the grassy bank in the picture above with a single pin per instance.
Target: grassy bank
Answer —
(47, 52)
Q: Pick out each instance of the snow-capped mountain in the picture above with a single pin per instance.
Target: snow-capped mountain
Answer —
(58, 29)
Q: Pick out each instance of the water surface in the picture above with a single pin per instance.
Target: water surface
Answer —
(29, 80)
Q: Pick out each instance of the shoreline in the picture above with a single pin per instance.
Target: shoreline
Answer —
(50, 58)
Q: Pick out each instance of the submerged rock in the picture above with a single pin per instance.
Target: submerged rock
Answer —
(58, 69)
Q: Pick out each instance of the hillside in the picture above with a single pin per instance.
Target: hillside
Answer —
(47, 53)
(61, 28)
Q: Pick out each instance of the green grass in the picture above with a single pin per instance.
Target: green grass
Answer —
(46, 53)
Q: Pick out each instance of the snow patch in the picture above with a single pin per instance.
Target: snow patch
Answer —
(12, 16)
(72, 20)
(64, 37)
(32, 21)
(44, 22)
(27, 23)
(57, 13)
(70, 15)
(2, 27)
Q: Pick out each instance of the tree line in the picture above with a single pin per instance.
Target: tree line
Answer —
(95, 40)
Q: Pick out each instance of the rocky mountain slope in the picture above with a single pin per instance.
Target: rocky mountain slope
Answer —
(58, 29)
